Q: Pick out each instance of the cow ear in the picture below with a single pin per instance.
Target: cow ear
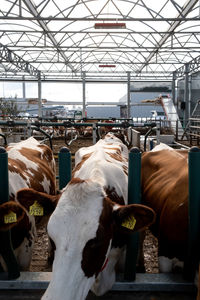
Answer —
(11, 213)
(30, 198)
(134, 217)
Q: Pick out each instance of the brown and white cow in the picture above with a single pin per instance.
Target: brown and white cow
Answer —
(31, 168)
(91, 222)
(165, 189)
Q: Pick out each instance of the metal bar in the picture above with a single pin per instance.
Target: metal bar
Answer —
(128, 95)
(186, 9)
(116, 79)
(16, 60)
(70, 124)
(186, 94)
(146, 136)
(39, 96)
(64, 19)
(33, 10)
(45, 133)
(24, 89)
(174, 88)
(134, 194)
(91, 48)
(64, 163)
(143, 283)
(84, 97)
(6, 248)
(97, 63)
(193, 66)
(130, 32)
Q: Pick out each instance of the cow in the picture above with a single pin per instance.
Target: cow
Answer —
(91, 222)
(164, 176)
(31, 171)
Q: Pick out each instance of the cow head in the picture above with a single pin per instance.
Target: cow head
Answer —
(82, 227)
(16, 216)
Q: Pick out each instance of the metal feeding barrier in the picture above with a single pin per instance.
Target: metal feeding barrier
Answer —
(38, 124)
(130, 281)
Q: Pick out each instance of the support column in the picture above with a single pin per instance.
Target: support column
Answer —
(189, 95)
(174, 89)
(128, 95)
(84, 96)
(23, 89)
(186, 93)
(39, 96)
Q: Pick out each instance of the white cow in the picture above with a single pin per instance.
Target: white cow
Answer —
(31, 167)
(91, 222)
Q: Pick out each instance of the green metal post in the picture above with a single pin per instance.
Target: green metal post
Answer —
(134, 196)
(64, 162)
(6, 248)
(194, 212)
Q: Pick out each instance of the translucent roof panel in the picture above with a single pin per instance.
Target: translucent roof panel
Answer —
(59, 39)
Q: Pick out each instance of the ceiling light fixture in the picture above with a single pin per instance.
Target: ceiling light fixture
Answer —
(110, 25)
(107, 66)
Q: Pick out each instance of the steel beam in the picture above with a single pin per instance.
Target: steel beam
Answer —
(187, 8)
(174, 88)
(193, 65)
(128, 94)
(99, 18)
(39, 97)
(104, 63)
(10, 57)
(84, 96)
(31, 7)
(186, 93)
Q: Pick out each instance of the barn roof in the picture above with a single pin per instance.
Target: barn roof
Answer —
(60, 40)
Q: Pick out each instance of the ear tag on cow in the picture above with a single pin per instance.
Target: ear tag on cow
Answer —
(10, 218)
(129, 223)
(36, 209)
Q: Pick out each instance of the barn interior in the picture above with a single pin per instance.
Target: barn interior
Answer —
(70, 71)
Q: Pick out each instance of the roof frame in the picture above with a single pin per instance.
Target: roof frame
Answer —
(8, 56)
(63, 42)
(33, 10)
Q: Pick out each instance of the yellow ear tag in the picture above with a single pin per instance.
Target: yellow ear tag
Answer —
(36, 209)
(129, 223)
(10, 218)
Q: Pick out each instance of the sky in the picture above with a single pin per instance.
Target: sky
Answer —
(66, 91)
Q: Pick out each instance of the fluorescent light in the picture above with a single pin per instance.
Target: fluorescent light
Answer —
(110, 25)
(107, 66)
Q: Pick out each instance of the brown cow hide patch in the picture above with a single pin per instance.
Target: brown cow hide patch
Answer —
(79, 165)
(94, 252)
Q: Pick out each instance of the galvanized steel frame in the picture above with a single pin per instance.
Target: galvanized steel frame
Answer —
(156, 61)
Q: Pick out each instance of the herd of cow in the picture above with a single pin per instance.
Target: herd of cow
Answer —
(89, 221)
